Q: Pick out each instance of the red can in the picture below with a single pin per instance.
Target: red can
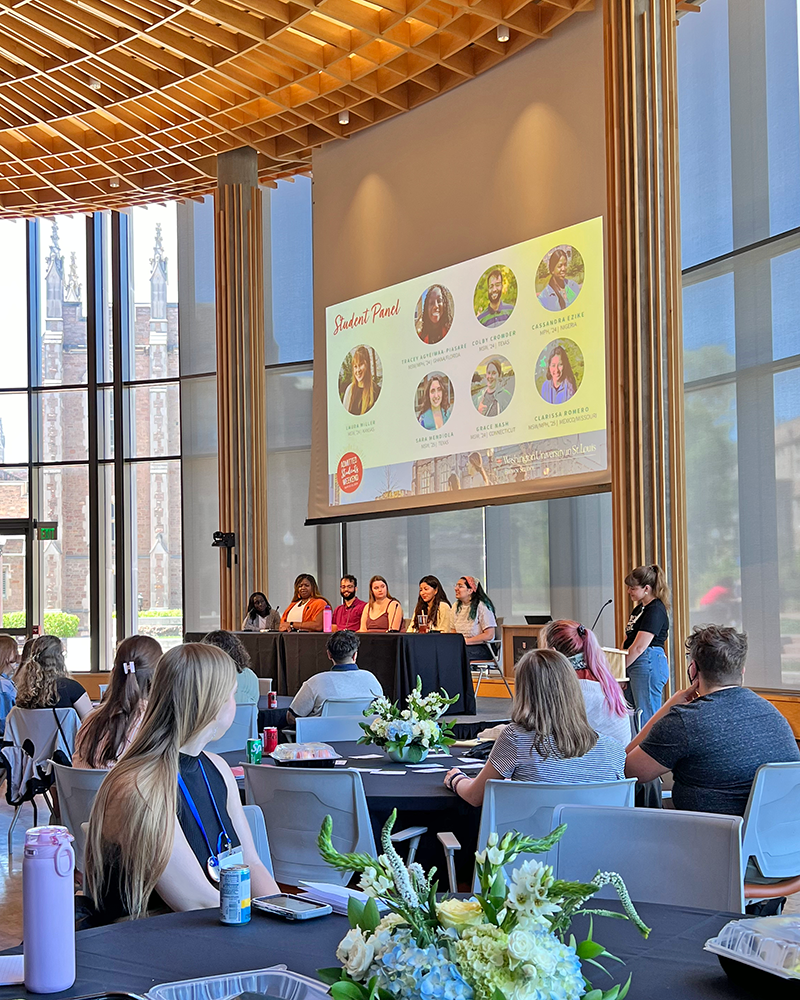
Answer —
(272, 699)
(270, 739)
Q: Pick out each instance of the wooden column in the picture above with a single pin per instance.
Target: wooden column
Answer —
(241, 403)
(646, 349)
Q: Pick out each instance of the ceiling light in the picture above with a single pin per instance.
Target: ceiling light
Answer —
(503, 34)
(344, 117)
(94, 84)
(114, 182)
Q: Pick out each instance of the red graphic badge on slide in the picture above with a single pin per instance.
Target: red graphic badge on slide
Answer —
(350, 472)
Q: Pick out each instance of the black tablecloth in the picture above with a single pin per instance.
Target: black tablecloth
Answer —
(396, 659)
(137, 955)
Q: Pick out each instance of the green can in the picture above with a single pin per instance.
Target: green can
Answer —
(254, 748)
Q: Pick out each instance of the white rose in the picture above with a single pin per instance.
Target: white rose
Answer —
(520, 948)
(355, 953)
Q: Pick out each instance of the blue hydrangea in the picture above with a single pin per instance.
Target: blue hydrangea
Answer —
(409, 972)
(397, 729)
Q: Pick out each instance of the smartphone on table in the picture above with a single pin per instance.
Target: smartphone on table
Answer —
(290, 907)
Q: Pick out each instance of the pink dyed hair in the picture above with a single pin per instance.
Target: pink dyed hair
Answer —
(571, 638)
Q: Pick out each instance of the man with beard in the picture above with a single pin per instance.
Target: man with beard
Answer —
(348, 614)
(497, 312)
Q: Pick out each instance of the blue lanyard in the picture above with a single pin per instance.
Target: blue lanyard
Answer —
(196, 814)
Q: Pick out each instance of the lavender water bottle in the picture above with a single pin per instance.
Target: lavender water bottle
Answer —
(48, 909)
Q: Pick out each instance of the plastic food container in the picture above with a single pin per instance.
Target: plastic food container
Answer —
(275, 982)
(305, 755)
(770, 945)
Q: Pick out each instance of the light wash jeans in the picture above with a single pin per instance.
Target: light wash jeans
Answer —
(647, 676)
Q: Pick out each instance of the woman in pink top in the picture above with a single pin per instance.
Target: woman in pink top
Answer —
(109, 730)
(383, 613)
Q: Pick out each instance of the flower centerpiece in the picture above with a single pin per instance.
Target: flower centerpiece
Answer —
(409, 734)
(509, 942)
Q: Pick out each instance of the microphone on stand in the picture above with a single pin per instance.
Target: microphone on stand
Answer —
(609, 601)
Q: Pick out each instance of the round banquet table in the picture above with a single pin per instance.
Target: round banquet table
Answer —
(137, 955)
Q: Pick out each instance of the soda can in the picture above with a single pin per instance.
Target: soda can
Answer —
(234, 895)
(254, 748)
(270, 739)
(272, 699)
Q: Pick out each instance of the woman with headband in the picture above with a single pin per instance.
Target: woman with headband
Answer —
(110, 729)
(474, 617)
(605, 706)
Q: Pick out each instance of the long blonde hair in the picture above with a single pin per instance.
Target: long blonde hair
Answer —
(37, 679)
(548, 702)
(191, 684)
(361, 353)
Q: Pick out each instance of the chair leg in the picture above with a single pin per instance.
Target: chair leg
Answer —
(503, 677)
(17, 810)
(478, 685)
(35, 811)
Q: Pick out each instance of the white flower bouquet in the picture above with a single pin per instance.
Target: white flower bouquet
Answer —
(509, 942)
(409, 734)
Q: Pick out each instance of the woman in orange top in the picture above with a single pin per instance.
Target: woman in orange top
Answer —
(304, 614)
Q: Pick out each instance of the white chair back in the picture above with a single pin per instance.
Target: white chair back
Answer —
(294, 802)
(346, 706)
(330, 729)
(77, 788)
(664, 855)
(527, 807)
(772, 821)
(258, 828)
(48, 729)
(243, 728)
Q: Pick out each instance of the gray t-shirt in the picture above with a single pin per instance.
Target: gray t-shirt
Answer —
(715, 745)
(334, 684)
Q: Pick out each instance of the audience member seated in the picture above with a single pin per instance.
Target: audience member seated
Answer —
(344, 680)
(715, 734)
(606, 708)
(434, 605)
(247, 692)
(109, 731)
(473, 617)
(549, 738)
(260, 617)
(168, 808)
(382, 613)
(348, 614)
(9, 658)
(42, 680)
(304, 613)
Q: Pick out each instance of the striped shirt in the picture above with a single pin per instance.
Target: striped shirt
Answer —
(514, 756)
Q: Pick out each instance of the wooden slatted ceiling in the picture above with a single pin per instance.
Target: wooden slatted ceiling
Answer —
(111, 103)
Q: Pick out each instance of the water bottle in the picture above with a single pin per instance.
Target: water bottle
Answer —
(327, 619)
(48, 909)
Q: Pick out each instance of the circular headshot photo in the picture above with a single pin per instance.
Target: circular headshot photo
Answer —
(434, 400)
(434, 314)
(360, 380)
(559, 371)
(559, 278)
(492, 386)
(495, 296)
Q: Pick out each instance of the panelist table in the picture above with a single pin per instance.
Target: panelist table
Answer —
(396, 659)
(134, 956)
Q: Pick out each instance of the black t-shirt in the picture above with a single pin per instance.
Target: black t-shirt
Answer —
(69, 691)
(715, 745)
(650, 617)
(190, 772)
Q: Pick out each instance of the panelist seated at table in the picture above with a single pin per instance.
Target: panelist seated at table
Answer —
(168, 808)
(715, 734)
(549, 738)
(247, 690)
(606, 708)
(111, 728)
(474, 617)
(261, 616)
(382, 612)
(304, 613)
(348, 614)
(432, 608)
(345, 679)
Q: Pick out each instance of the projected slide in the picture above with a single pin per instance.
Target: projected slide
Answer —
(486, 373)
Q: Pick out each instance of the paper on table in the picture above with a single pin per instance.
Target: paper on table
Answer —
(385, 770)
(12, 970)
(472, 763)
(428, 770)
(440, 753)
(427, 767)
(365, 756)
